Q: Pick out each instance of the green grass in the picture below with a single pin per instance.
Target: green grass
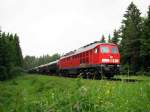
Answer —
(37, 93)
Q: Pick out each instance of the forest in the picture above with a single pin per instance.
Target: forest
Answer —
(11, 59)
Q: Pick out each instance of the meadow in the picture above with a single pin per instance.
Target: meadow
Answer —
(39, 93)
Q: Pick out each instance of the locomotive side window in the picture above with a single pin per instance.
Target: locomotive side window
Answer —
(114, 50)
(104, 49)
(96, 50)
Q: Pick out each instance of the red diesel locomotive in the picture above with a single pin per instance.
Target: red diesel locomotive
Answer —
(92, 61)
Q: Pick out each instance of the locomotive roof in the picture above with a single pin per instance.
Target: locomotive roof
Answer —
(51, 63)
(84, 48)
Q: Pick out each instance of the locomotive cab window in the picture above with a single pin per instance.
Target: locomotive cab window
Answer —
(96, 50)
(114, 50)
(104, 49)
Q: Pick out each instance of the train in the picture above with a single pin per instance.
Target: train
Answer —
(93, 60)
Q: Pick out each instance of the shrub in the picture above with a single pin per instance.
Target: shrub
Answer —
(147, 73)
(15, 71)
(126, 69)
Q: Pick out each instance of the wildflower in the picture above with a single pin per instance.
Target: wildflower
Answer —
(108, 91)
(83, 90)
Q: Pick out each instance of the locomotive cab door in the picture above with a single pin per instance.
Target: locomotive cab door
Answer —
(96, 55)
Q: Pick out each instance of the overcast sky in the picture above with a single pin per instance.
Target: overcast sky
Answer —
(51, 26)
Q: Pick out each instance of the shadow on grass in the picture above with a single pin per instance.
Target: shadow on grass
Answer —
(124, 80)
(128, 80)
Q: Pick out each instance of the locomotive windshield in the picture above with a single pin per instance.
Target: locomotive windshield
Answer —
(107, 49)
(104, 49)
(114, 50)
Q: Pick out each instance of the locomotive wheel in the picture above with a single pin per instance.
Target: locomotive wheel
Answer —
(80, 75)
(95, 74)
(60, 73)
(98, 75)
(88, 74)
(92, 75)
(109, 75)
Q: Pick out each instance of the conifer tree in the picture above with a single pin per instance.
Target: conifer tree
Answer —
(131, 35)
(145, 42)
(103, 39)
(116, 36)
(8, 53)
(109, 39)
(0, 48)
(19, 60)
(3, 44)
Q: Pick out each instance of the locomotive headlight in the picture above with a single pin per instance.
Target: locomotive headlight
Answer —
(116, 60)
(105, 60)
(118, 65)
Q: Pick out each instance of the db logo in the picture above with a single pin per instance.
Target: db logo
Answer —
(111, 57)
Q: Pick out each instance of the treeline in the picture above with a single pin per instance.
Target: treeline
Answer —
(11, 59)
(32, 61)
(133, 39)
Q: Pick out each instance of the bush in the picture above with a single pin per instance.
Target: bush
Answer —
(127, 69)
(147, 73)
(3, 73)
(15, 71)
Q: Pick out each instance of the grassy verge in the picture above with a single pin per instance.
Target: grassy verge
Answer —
(37, 93)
